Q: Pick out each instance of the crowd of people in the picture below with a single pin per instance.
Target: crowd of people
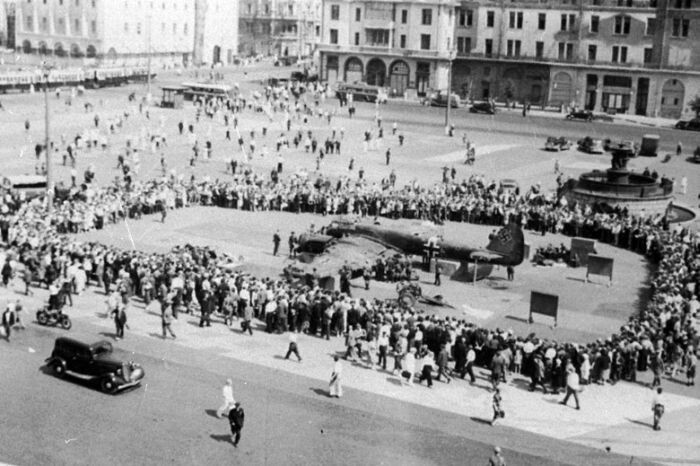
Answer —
(663, 335)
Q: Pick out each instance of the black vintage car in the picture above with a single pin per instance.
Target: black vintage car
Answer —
(483, 107)
(93, 363)
(689, 125)
(585, 115)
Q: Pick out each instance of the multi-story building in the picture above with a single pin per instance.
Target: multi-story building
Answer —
(622, 56)
(279, 27)
(216, 31)
(7, 24)
(404, 45)
(112, 31)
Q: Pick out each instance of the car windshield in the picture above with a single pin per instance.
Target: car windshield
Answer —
(101, 350)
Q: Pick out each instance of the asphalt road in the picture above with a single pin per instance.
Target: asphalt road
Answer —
(289, 419)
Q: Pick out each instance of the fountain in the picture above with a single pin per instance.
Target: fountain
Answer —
(617, 186)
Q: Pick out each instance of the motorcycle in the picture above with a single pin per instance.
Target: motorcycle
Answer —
(46, 316)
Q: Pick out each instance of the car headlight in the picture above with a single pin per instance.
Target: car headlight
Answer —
(119, 371)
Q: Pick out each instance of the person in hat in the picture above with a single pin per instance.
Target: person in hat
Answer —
(658, 407)
(236, 416)
(498, 411)
(497, 458)
(335, 387)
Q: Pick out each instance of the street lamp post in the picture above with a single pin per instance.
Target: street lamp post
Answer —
(47, 143)
(449, 88)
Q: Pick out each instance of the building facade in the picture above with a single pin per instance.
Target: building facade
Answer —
(216, 32)
(617, 56)
(128, 32)
(403, 45)
(279, 27)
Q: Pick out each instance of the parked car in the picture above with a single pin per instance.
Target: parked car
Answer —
(585, 115)
(690, 125)
(93, 363)
(483, 107)
(557, 144)
(439, 99)
(628, 146)
(591, 145)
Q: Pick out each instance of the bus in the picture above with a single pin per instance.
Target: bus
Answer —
(194, 91)
(361, 92)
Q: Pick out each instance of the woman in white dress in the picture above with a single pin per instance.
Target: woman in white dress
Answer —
(335, 386)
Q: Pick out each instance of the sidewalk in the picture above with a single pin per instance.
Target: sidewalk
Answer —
(604, 421)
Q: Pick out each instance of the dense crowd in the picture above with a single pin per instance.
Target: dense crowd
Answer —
(199, 280)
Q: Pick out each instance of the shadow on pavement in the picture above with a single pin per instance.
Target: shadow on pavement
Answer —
(641, 423)
(320, 392)
(480, 420)
(111, 335)
(221, 437)
(394, 380)
(212, 413)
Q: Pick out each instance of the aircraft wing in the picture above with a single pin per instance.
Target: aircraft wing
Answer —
(357, 251)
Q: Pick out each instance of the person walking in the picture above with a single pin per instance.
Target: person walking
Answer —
(438, 271)
(335, 387)
(691, 366)
(8, 321)
(657, 406)
(236, 416)
(119, 315)
(276, 240)
(510, 270)
(292, 346)
(572, 386)
(229, 402)
(167, 318)
(442, 360)
(427, 369)
(679, 148)
(497, 459)
(496, 405)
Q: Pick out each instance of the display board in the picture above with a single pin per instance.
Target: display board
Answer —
(545, 304)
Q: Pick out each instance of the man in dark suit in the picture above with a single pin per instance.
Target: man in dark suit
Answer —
(236, 417)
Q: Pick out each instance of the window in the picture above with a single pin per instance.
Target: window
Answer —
(680, 27)
(76, 26)
(358, 14)
(184, 29)
(426, 17)
(377, 37)
(513, 48)
(651, 27)
(138, 28)
(488, 47)
(466, 17)
(30, 22)
(334, 36)
(404, 16)
(592, 50)
(566, 51)
(648, 51)
(595, 23)
(402, 41)
(542, 21)
(335, 12)
(44, 24)
(93, 26)
(568, 22)
(515, 20)
(622, 25)
(126, 27)
(464, 45)
(619, 54)
(357, 38)
(425, 41)
(489, 19)
(539, 49)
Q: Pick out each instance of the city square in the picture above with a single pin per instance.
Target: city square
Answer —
(180, 218)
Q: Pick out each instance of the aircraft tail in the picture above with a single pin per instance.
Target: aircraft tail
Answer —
(510, 242)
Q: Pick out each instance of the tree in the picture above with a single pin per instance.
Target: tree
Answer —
(695, 105)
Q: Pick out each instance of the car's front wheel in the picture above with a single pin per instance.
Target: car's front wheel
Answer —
(107, 385)
(42, 318)
(59, 368)
(66, 323)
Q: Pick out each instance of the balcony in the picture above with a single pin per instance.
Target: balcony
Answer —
(406, 53)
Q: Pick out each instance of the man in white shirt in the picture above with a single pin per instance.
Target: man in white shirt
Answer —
(469, 366)
(409, 367)
(658, 407)
(572, 386)
(229, 401)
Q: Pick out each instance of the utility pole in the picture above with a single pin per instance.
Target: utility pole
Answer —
(449, 88)
(47, 142)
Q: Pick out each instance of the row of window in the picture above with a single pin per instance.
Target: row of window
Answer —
(126, 3)
(381, 38)
(60, 2)
(44, 25)
(162, 28)
(426, 15)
